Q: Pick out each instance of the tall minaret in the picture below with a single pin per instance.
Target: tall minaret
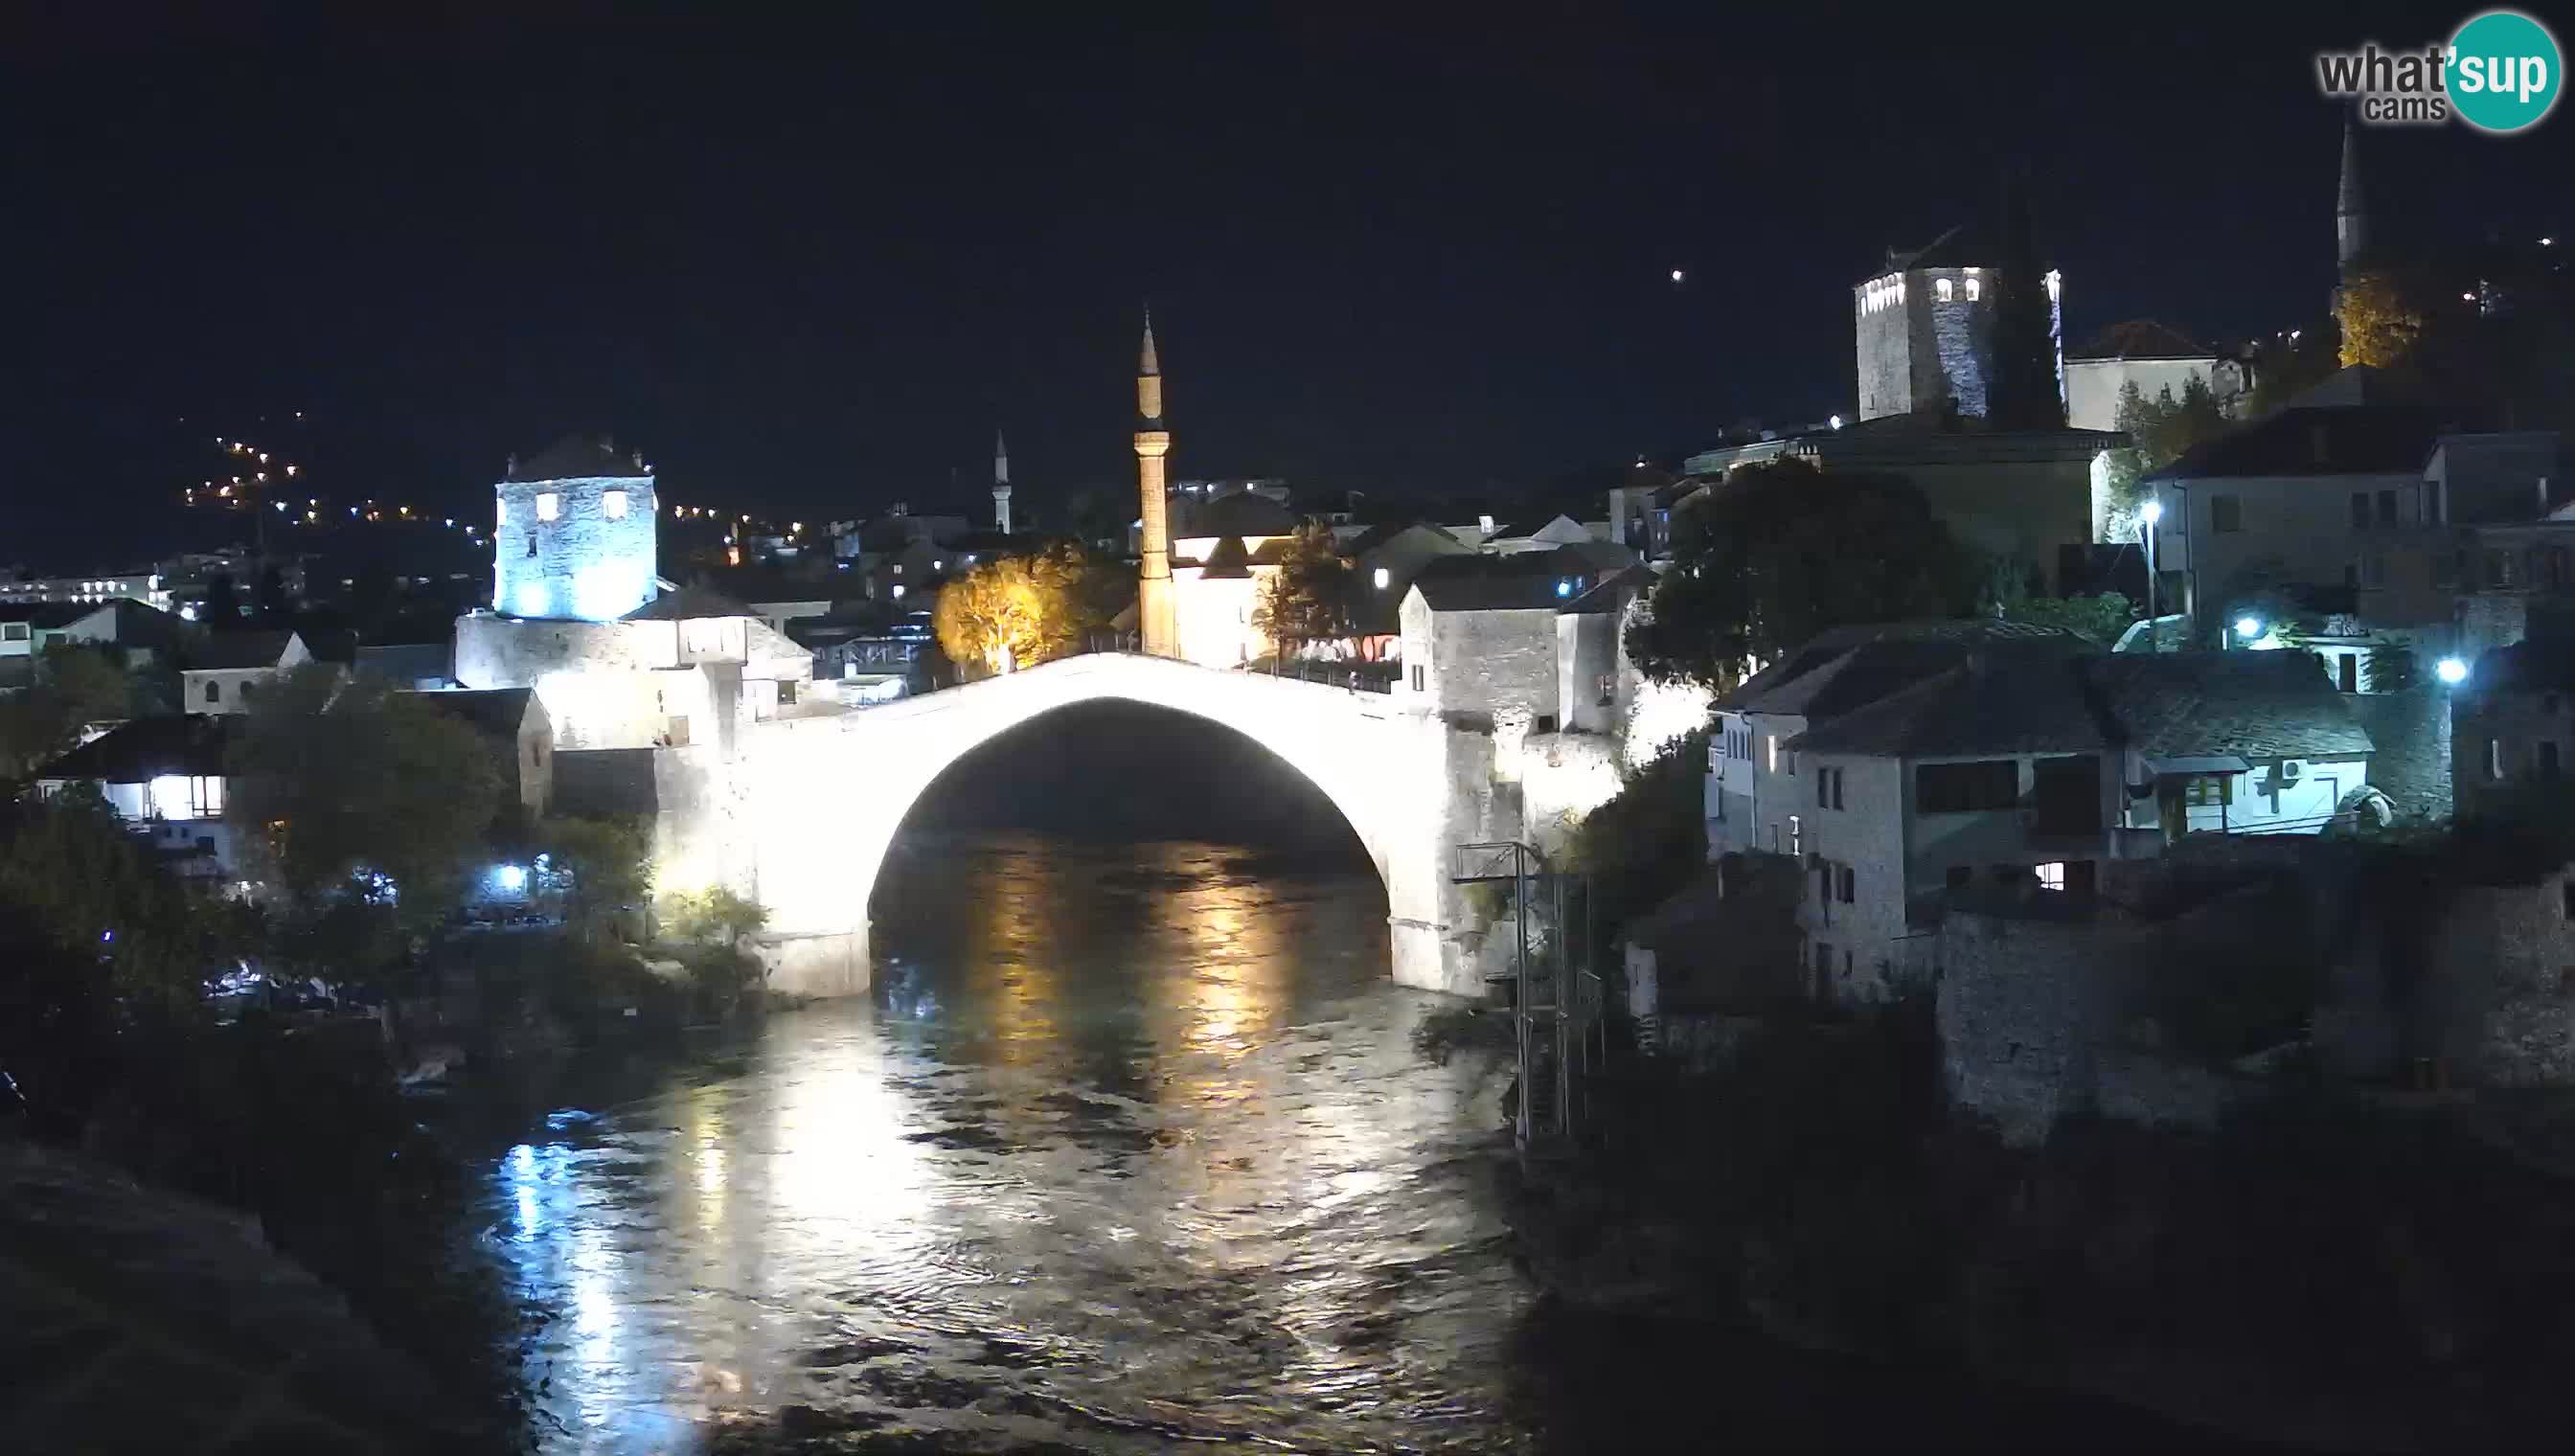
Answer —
(1001, 483)
(1155, 619)
(2351, 211)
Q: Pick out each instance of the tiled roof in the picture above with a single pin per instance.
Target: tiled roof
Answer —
(148, 748)
(224, 650)
(1849, 667)
(2141, 339)
(689, 604)
(1522, 581)
(2318, 440)
(2026, 698)
(2253, 705)
(579, 457)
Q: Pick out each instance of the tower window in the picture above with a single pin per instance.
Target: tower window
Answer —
(1975, 289)
(1945, 289)
(612, 504)
(502, 516)
(549, 504)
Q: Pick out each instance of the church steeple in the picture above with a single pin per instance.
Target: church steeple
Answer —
(2351, 208)
(1156, 619)
(1001, 483)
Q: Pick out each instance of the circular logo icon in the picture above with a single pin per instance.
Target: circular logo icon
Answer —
(2505, 71)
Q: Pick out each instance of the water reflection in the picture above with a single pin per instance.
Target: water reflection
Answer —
(1120, 1152)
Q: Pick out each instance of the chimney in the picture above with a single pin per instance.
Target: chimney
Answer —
(510, 472)
(638, 460)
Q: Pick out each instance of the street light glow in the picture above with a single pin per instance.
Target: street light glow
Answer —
(2152, 511)
(2451, 671)
(2249, 628)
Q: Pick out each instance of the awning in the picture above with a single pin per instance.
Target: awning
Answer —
(2207, 763)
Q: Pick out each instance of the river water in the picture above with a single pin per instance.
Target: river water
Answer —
(1129, 1150)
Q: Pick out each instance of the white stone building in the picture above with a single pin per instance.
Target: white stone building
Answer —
(165, 778)
(225, 670)
(575, 534)
(2158, 359)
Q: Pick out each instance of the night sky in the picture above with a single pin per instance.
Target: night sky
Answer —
(808, 265)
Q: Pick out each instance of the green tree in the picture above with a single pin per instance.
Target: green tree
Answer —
(1016, 612)
(1781, 551)
(2161, 430)
(71, 868)
(1307, 599)
(2289, 367)
(610, 861)
(75, 686)
(717, 915)
(355, 780)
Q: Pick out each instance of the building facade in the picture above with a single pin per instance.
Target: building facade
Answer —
(574, 533)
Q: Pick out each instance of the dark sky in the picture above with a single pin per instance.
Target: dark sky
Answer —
(809, 263)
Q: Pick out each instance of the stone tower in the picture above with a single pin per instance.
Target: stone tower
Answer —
(2351, 210)
(574, 533)
(1156, 621)
(1001, 483)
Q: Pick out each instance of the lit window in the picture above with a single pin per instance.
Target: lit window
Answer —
(1382, 578)
(549, 504)
(1975, 289)
(612, 504)
(897, 591)
(1945, 289)
(939, 566)
(2052, 875)
(502, 516)
(1774, 753)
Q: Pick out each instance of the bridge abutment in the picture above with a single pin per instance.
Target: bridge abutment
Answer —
(817, 965)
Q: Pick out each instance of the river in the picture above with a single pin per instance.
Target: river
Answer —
(1129, 1150)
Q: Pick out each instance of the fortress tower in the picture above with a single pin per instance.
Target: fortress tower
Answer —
(574, 533)
(1157, 620)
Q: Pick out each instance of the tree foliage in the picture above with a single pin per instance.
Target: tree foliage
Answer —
(1782, 551)
(70, 870)
(1017, 612)
(716, 915)
(2161, 430)
(356, 779)
(1307, 599)
(2380, 316)
(610, 861)
(2286, 369)
(75, 686)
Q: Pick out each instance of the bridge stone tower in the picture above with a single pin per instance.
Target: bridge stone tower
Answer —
(1156, 619)
(1001, 483)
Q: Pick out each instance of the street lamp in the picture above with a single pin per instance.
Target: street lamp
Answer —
(2249, 628)
(2150, 516)
(2451, 671)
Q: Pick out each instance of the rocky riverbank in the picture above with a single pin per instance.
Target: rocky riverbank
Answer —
(2323, 1276)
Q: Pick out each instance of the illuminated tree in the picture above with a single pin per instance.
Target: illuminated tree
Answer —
(1307, 599)
(2381, 321)
(1016, 612)
(2161, 430)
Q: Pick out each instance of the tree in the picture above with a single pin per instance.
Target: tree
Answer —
(2161, 430)
(273, 603)
(717, 915)
(1016, 612)
(2024, 391)
(371, 795)
(1781, 551)
(2380, 316)
(70, 870)
(223, 600)
(76, 685)
(1307, 599)
(610, 861)
(2287, 368)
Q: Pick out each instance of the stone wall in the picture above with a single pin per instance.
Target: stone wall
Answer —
(1493, 662)
(582, 563)
(2411, 763)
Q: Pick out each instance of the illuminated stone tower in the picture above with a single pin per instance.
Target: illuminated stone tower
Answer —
(574, 534)
(1155, 619)
(1001, 483)
(2351, 210)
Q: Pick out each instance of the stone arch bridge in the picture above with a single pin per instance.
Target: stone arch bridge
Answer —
(800, 814)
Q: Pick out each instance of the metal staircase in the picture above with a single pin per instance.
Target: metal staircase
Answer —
(1548, 1017)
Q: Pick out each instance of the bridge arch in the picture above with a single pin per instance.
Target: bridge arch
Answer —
(817, 800)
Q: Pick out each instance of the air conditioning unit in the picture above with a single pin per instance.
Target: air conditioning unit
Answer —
(2288, 771)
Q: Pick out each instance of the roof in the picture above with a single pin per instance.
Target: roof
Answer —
(1849, 666)
(2013, 697)
(499, 711)
(1611, 592)
(45, 615)
(408, 661)
(1226, 559)
(2255, 704)
(1523, 582)
(2317, 440)
(148, 748)
(1378, 536)
(689, 604)
(2533, 665)
(222, 651)
(1963, 246)
(2141, 339)
(1243, 513)
(579, 457)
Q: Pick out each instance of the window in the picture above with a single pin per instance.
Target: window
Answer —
(2547, 758)
(2494, 759)
(2361, 510)
(1966, 787)
(531, 544)
(2347, 673)
(2052, 875)
(249, 692)
(1945, 289)
(1837, 789)
(501, 516)
(1848, 880)
(214, 690)
(1823, 960)
(1417, 676)
(13, 632)
(1545, 724)
(1774, 753)
(1975, 289)
(1609, 688)
(612, 504)
(1796, 837)
(549, 504)
(2225, 513)
(1824, 788)
(2208, 791)
(2387, 507)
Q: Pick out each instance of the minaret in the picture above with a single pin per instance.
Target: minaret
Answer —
(1001, 483)
(2351, 211)
(1155, 619)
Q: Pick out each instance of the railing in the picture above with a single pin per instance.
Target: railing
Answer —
(1355, 677)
